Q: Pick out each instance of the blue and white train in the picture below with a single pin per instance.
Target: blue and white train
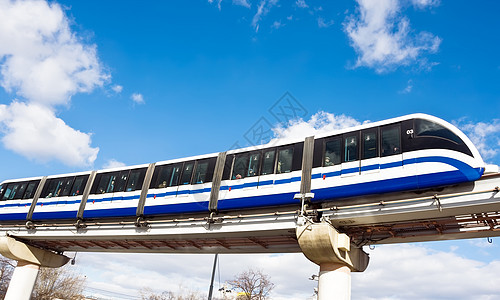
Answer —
(409, 153)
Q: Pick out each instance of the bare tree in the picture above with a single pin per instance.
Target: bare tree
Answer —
(149, 294)
(59, 283)
(253, 285)
(6, 270)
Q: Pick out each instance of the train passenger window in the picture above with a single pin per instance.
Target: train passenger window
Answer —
(30, 190)
(369, 145)
(121, 181)
(20, 192)
(106, 183)
(431, 129)
(66, 186)
(268, 163)
(54, 188)
(284, 160)
(187, 171)
(226, 174)
(78, 185)
(253, 165)
(174, 177)
(8, 192)
(200, 172)
(333, 152)
(240, 166)
(391, 140)
(134, 180)
(350, 148)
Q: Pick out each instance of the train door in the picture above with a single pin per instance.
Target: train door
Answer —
(266, 178)
(331, 152)
(202, 180)
(185, 187)
(391, 157)
(370, 160)
(409, 157)
(284, 174)
(350, 160)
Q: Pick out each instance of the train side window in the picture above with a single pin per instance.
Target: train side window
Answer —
(8, 191)
(30, 190)
(351, 147)
(79, 185)
(285, 157)
(319, 148)
(369, 144)
(240, 166)
(268, 162)
(200, 173)
(106, 183)
(1, 191)
(174, 177)
(54, 188)
(187, 171)
(66, 186)
(20, 191)
(228, 164)
(121, 181)
(333, 152)
(135, 180)
(391, 140)
(253, 165)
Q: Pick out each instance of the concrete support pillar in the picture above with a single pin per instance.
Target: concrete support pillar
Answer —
(334, 282)
(23, 281)
(29, 260)
(322, 244)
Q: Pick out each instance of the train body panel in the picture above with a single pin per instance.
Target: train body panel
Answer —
(402, 154)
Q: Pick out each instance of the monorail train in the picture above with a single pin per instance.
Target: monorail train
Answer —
(408, 153)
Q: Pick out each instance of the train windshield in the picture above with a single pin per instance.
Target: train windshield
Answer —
(425, 128)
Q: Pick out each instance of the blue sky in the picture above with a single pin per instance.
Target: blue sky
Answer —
(90, 84)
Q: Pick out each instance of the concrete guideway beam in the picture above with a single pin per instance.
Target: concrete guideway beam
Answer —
(13, 249)
(29, 260)
(322, 244)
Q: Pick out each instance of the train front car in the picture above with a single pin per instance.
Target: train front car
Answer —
(413, 152)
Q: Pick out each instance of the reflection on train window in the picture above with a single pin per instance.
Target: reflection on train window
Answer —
(351, 148)
(333, 150)
(187, 171)
(134, 181)
(391, 140)
(268, 163)
(66, 186)
(431, 129)
(253, 165)
(18, 190)
(120, 181)
(200, 173)
(30, 190)
(78, 186)
(240, 166)
(284, 160)
(369, 145)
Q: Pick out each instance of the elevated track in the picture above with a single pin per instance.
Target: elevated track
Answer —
(456, 212)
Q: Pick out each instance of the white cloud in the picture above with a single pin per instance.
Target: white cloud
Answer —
(408, 88)
(42, 60)
(244, 3)
(320, 122)
(418, 272)
(137, 98)
(422, 4)
(117, 88)
(44, 63)
(405, 271)
(322, 23)
(277, 25)
(35, 132)
(301, 4)
(262, 9)
(485, 135)
(382, 37)
(113, 163)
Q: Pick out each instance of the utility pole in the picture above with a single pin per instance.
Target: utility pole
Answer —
(213, 276)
